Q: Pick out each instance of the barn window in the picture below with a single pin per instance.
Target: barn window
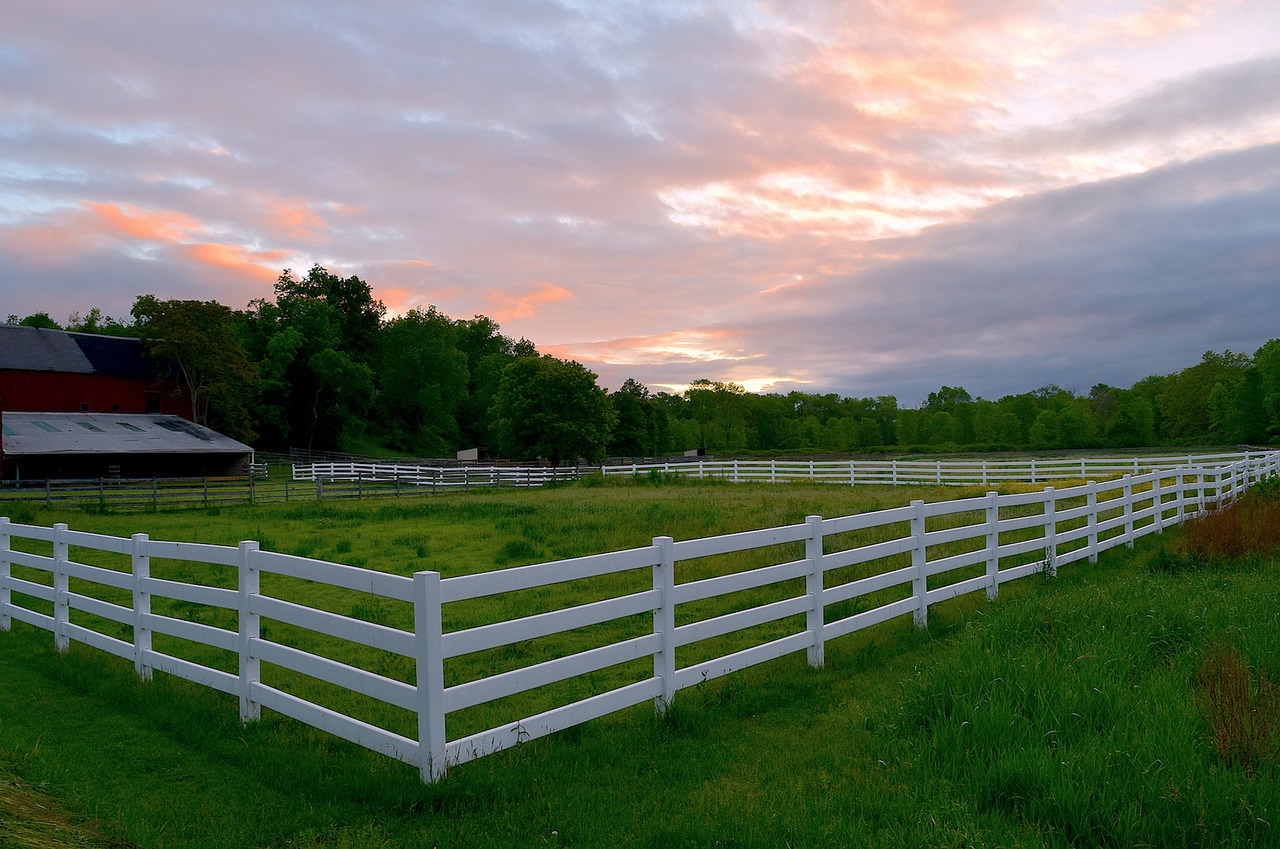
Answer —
(91, 426)
(84, 406)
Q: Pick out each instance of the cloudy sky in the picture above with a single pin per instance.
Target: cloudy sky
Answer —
(826, 195)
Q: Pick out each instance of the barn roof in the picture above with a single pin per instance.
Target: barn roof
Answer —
(42, 349)
(111, 433)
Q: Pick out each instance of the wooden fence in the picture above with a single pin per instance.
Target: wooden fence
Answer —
(333, 482)
(288, 633)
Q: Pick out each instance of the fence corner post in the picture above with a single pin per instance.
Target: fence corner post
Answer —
(5, 597)
(920, 560)
(249, 631)
(141, 607)
(815, 617)
(428, 632)
(61, 586)
(664, 623)
(993, 545)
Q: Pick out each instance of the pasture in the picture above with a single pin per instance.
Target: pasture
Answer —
(849, 753)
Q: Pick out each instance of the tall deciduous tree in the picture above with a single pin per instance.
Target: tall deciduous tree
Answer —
(422, 378)
(197, 342)
(552, 409)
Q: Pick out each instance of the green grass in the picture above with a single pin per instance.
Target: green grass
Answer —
(1064, 714)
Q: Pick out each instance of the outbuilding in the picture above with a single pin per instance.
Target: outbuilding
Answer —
(43, 446)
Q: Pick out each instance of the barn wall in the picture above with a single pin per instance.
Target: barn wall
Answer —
(60, 392)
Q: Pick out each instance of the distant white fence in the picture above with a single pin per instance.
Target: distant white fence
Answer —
(965, 472)
(851, 472)
(255, 624)
(434, 477)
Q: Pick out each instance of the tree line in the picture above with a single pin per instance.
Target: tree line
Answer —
(321, 366)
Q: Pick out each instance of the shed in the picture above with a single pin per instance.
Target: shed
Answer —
(38, 446)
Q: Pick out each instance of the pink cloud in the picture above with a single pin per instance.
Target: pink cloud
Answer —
(505, 306)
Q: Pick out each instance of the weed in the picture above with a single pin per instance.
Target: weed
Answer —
(1242, 708)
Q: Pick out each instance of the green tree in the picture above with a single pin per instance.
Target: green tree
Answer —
(94, 321)
(196, 341)
(422, 379)
(39, 319)
(316, 391)
(1267, 363)
(553, 409)
(1184, 402)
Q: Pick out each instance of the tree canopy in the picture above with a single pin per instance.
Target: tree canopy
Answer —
(551, 409)
(320, 365)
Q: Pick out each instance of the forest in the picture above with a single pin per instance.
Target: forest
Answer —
(321, 366)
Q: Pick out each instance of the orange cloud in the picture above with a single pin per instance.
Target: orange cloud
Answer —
(293, 218)
(697, 345)
(504, 306)
(261, 265)
(153, 226)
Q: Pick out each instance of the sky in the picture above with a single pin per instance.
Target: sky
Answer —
(868, 198)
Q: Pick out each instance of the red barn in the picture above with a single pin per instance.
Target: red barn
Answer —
(100, 408)
(52, 371)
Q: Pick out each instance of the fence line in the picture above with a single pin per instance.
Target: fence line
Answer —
(675, 613)
(435, 477)
(957, 472)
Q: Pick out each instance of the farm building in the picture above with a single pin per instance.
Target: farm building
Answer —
(40, 446)
(45, 370)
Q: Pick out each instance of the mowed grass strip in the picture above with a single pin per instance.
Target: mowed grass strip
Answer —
(879, 748)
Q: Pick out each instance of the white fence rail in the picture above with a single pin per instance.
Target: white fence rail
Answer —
(268, 629)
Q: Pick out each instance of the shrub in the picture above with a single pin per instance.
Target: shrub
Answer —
(1242, 708)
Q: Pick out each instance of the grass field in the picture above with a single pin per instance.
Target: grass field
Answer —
(1072, 712)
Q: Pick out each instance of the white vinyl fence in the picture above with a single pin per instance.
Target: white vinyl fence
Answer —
(966, 472)
(392, 663)
(434, 477)
(850, 472)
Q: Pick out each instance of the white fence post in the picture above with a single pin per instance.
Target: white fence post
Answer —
(815, 617)
(1180, 498)
(141, 607)
(1157, 501)
(428, 621)
(919, 559)
(1093, 521)
(1050, 532)
(5, 597)
(993, 544)
(61, 586)
(1128, 510)
(664, 622)
(249, 630)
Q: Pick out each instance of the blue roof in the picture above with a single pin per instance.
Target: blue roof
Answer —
(41, 349)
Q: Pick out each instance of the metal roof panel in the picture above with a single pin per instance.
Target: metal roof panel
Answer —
(111, 433)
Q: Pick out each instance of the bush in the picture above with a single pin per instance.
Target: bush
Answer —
(1242, 708)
